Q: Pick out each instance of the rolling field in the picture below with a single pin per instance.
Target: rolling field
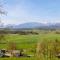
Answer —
(28, 42)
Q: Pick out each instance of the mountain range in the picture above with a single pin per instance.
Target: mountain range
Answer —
(32, 25)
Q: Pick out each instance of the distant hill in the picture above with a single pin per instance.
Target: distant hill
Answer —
(30, 25)
(33, 25)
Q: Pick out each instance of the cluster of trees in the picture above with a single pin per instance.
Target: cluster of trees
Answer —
(17, 32)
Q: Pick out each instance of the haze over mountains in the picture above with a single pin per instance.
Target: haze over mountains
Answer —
(31, 25)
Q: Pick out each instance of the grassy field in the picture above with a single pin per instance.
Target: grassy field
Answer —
(28, 42)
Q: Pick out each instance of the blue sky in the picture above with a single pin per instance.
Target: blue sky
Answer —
(21, 11)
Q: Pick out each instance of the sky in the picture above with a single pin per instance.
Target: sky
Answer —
(22, 11)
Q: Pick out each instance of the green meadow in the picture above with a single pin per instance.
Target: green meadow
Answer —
(29, 43)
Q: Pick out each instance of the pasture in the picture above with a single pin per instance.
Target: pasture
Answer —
(28, 43)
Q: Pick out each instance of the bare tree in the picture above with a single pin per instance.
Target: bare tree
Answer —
(2, 10)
